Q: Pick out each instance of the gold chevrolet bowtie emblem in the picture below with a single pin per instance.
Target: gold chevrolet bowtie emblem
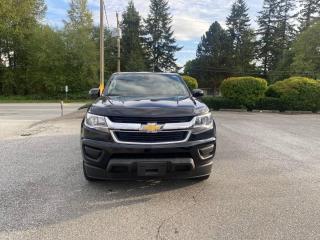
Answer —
(151, 128)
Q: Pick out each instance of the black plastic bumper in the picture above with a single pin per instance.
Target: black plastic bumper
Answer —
(109, 160)
(105, 159)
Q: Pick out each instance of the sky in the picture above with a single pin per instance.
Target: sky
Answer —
(191, 18)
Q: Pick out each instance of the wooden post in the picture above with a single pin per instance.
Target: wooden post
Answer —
(119, 45)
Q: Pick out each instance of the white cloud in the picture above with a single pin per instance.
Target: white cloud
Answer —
(191, 18)
(188, 28)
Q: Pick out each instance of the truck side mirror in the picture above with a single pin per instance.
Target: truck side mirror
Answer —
(197, 93)
(94, 93)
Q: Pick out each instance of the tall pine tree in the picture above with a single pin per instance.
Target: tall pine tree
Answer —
(267, 21)
(213, 57)
(242, 36)
(160, 44)
(310, 10)
(81, 51)
(133, 57)
(286, 28)
(284, 36)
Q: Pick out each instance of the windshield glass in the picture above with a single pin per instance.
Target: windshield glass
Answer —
(147, 86)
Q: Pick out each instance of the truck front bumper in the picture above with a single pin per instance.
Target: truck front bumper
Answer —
(109, 160)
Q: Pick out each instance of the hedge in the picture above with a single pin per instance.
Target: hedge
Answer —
(297, 93)
(191, 82)
(270, 103)
(217, 103)
(246, 91)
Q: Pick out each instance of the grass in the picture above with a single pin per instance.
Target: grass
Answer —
(42, 99)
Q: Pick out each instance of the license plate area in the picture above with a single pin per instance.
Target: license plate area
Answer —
(151, 169)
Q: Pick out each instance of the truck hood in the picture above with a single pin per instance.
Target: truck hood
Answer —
(123, 106)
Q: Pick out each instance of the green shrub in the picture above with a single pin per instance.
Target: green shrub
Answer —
(297, 93)
(270, 103)
(217, 103)
(246, 91)
(191, 82)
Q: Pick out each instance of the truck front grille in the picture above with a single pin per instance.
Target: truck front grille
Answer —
(159, 137)
(145, 120)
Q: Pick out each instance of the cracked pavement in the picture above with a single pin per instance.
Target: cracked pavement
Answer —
(265, 185)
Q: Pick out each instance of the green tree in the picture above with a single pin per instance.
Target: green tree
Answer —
(286, 28)
(81, 66)
(285, 33)
(310, 10)
(242, 36)
(158, 37)
(18, 20)
(267, 21)
(45, 73)
(133, 57)
(306, 51)
(214, 57)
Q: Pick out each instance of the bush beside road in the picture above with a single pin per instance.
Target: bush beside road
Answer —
(293, 94)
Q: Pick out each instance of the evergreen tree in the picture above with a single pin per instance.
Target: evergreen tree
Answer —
(213, 57)
(133, 58)
(284, 36)
(267, 21)
(242, 36)
(81, 51)
(158, 37)
(285, 29)
(310, 10)
(306, 52)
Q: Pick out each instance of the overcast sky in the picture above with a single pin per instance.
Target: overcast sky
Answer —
(191, 18)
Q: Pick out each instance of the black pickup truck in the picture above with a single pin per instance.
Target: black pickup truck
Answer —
(147, 125)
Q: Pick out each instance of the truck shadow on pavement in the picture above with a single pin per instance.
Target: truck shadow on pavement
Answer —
(57, 191)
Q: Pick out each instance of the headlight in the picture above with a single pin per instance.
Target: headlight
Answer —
(204, 121)
(96, 122)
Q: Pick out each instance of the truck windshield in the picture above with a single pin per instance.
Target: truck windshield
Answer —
(147, 86)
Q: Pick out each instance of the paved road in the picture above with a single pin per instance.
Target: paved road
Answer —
(14, 117)
(265, 185)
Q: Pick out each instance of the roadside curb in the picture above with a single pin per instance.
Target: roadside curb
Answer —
(233, 110)
(298, 112)
(266, 111)
(41, 126)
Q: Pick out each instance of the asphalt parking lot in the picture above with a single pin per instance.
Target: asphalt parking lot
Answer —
(265, 185)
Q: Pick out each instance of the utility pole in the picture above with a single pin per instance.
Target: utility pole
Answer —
(101, 87)
(118, 43)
